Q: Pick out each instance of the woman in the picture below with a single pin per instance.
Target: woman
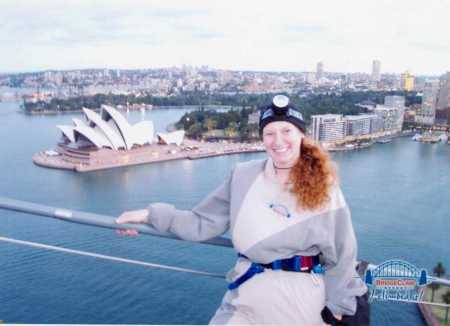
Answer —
(282, 213)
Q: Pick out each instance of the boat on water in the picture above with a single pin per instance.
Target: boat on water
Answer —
(430, 139)
(444, 137)
(384, 140)
(350, 147)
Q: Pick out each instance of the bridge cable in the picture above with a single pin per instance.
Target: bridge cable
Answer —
(154, 266)
(110, 258)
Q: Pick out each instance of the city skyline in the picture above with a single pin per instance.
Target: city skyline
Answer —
(291, 36)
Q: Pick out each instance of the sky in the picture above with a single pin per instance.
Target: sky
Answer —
(281, 35)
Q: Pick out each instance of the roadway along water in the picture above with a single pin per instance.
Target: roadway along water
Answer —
(398, 194)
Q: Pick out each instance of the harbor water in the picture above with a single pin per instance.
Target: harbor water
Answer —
(398, 194)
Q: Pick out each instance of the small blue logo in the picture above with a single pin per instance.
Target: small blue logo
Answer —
(280, 209)
(396, 280)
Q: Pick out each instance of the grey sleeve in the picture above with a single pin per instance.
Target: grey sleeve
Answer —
(342, 283)
(205, 221)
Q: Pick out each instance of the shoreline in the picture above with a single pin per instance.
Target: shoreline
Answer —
(77, 160)
(86, 160)
(177, 107)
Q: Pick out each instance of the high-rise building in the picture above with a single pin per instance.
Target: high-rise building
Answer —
(443, 101)
(427, 112)
(391, 116)
(328, 128)
(376, 71)
(407, 82)
(419, 84)
(359, 125)
(398, 103)
(319, 70)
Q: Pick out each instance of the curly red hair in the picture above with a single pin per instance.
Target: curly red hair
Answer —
(312, 176)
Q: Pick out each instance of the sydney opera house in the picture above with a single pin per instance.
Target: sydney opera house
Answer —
(110, 129)
(106, 139)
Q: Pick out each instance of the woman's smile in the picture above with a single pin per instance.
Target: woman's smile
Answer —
(282, 141)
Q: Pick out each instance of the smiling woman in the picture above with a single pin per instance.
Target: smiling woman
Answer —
(287, 216)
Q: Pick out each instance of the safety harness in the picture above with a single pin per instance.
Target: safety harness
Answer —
(304, 264)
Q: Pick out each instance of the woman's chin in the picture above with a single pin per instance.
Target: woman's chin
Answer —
(282, 162)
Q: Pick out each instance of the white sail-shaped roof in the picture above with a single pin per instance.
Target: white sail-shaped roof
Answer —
(175, 137)
(112, 130)
(67, 131)
(79, 122)
(95, 137)
(108, 112)
(95, 119)
(143, 132)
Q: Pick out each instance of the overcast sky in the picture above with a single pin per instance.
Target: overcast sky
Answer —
(235, 34)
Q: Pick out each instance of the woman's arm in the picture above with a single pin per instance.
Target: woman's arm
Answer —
(207, 220)
(342, 283)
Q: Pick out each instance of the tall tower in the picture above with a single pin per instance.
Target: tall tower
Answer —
(443, 101)
(398, 104)
(427, 112)
(376, 70)
(407, 81)
(319, 70)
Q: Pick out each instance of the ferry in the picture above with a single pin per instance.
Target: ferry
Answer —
(431, 139)
(350, 147)
(384, 140)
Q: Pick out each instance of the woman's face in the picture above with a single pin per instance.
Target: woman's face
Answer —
(282, 141)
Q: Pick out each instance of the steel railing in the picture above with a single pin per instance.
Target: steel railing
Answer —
(106, 221)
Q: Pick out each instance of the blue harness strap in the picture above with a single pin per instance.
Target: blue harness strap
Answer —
(306, 264)
(254, 269)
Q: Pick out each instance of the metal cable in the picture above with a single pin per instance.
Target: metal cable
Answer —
(110, 258)
(152, 265)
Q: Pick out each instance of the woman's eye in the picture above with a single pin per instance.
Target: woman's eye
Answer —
(286, 131)
(268, 134)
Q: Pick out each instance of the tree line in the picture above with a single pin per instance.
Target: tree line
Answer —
(342, 103)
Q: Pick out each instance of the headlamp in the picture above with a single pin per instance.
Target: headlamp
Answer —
(280, 107)
(281, 110)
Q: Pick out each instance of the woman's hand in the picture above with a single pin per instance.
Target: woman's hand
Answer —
(338, 317)
(329, 318)
(139, 216)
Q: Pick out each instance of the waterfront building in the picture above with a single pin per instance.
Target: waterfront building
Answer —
(407, 81)
(109, 129)
(397, 102)
(427, 112)
(376, 124)
(359, 125)
(376, 70)
(390, 117)
(443, 101)
(328, 128)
